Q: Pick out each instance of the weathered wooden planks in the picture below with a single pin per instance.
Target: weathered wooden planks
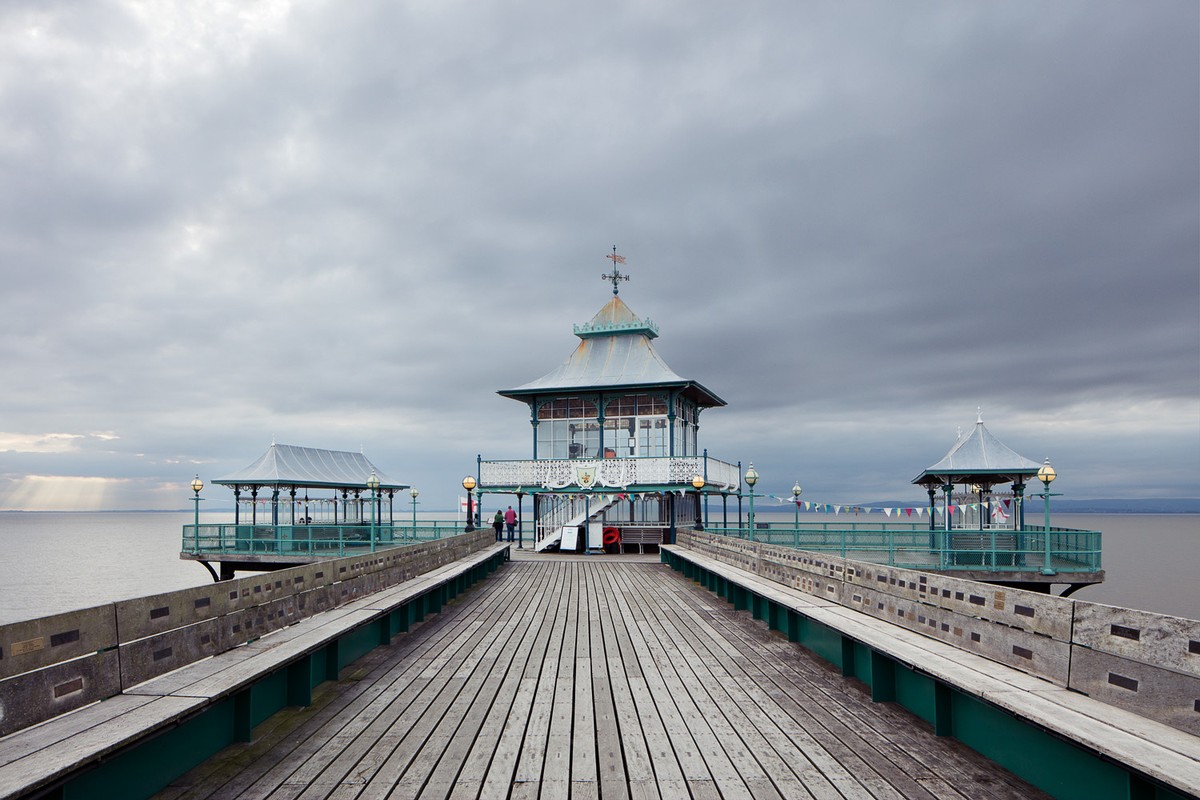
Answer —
(595, 678)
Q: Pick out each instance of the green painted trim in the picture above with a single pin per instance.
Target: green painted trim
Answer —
(300, 682)
(268, 695)
(355, 644)
(916, 692)
(1051, 764)
(705, 397)
(883, 676)
(150, 767)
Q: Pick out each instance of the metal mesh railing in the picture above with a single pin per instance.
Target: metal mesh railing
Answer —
(308, 540)
(914, 547)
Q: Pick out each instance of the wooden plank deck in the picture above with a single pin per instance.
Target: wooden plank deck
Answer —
(594, 677)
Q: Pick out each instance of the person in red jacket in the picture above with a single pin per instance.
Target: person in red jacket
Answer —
(510, 519)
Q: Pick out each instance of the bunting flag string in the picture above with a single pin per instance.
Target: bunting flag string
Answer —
(999, 508)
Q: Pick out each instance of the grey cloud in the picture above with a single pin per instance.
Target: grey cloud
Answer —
(351, 226)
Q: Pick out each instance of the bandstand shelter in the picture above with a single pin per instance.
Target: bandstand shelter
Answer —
(309, 485)
(615, 439)
(979, 462)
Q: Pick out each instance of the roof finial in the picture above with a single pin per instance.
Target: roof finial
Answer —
(616, 275)
(979, 412)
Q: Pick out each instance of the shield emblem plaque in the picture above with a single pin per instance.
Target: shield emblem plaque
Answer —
(586, 475)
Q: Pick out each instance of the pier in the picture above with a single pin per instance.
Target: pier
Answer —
(731, 669)
(636, 652)
(593, 677)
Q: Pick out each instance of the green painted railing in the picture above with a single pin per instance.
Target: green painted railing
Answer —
(308, 540)
(916, 547)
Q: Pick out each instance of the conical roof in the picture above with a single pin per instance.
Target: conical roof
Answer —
(288, 465)
(979, 457)
(615, 352)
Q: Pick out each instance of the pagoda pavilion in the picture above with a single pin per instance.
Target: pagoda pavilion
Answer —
(294, 505)
(979, 463)
(983, 533)
(616, 458)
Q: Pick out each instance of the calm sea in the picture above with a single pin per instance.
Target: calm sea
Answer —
(58, 562)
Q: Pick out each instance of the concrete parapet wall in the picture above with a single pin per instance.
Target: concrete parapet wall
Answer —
(55, 664)
(1143, 662)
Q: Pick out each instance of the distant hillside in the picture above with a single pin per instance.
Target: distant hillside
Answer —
(1180, 505)
(1170, 505)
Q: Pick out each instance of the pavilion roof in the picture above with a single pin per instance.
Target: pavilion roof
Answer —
(615, 353)
(979, 457)
(289, 465)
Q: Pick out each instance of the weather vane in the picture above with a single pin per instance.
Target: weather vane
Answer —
(615, 276)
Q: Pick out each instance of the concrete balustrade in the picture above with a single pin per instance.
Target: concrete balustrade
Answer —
(1136, 660)
(55, 664)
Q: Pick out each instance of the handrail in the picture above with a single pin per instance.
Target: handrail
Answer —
(313, 539)
(996, 550)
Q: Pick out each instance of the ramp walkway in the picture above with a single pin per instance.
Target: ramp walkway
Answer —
(599, 677)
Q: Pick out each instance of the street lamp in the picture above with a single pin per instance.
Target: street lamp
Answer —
(796, 492)
(197, 485)
(751, 479)
(373, 485)
(520, 519)
(698, 485)
(1046, 475)
(469, 483)
(413, 493)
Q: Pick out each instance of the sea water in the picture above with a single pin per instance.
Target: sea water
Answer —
(61, 561)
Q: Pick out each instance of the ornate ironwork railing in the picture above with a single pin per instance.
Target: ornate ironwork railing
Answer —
(608, 473)
(912, 547)
(307, 540)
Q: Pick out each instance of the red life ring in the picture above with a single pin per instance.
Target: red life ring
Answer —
(612, 536)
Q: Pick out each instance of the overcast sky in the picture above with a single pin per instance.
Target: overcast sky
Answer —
(348, 225)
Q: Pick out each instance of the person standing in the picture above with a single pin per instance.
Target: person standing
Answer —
(510, 519)
(498, 522)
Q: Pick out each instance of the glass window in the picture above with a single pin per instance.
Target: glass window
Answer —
(568, 408)
(652, 438)
(652, 406)
(617, 433)
(560, 438)
(637, 405)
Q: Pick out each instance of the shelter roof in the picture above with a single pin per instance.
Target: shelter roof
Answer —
(614, 353)
(978, 457)
(288, 465)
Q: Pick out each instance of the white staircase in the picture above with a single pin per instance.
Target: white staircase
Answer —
(563, 518)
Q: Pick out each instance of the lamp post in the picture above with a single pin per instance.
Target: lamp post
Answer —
(520, 520)
(796, 492)
(197, 485)
(373, 485)
(1046, 475)
(469, 483)
(698, 485)
(413, 493)
(751, 479)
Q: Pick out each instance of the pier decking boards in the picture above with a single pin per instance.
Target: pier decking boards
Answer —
(594, 677)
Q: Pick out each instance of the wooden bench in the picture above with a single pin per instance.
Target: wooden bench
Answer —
(192, 712)
(1152, 754)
